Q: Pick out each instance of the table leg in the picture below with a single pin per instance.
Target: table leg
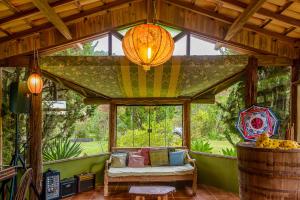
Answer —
(165, 197)
(139, 198)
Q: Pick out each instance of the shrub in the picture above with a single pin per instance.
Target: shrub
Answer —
(61, 148)
(229, 152)
(202, 146)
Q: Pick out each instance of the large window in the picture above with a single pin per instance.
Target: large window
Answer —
(140, 126)
(273, 90)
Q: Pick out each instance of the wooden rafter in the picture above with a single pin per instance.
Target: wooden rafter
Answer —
(66, 19)
(32, 11)
(228, 20)
(13, 9)
(51, 15)
(74, 86)
(220, 86)
(239, 23)
(267, 13)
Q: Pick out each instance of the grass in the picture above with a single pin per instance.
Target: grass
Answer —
(92, 148)
(219, 145)
(97, 147)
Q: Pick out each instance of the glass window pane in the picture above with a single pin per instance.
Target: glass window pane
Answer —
(141, 126)
(101, 46)
(273, 90)
(180, 47)
(117, 47)
(201, 47)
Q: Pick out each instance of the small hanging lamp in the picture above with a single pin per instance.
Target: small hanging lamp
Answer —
(35, 81)
(148, 45)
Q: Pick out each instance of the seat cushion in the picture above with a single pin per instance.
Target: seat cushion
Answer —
(151, 171)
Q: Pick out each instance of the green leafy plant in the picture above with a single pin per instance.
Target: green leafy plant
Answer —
(202, 146)
(61, 148)
(229, 152)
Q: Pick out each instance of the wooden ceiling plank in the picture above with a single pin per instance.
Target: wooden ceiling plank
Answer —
(10, 6)
(284, 7)
(228, 20)
(14, 9)
(66, 19)
(267, 13)
(51, 15)
(239, 23)
(33, 11)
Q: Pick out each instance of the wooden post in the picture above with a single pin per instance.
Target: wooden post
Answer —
(187, 124)
(35, 142)
(294, 100)
(251, 82)
(188, 44)
(1, 132)
(109, 44)
(112, 125)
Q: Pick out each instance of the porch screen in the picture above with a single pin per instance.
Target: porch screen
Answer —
(141, 126)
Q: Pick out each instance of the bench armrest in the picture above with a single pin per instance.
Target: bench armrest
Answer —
(107, 164)
(191, 160)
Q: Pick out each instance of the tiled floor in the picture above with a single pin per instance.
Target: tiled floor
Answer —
(183, 193)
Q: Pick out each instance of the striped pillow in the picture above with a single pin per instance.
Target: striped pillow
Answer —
(159, 157)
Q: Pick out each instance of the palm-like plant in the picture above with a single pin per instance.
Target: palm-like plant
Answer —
(61, 148)
(202, 146)
(229, 152)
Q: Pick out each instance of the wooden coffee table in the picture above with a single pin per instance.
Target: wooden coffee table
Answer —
(161, 192)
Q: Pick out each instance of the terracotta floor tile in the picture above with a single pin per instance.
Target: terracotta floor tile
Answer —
(182, 193)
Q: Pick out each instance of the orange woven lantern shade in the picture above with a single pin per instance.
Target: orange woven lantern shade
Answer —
(35, 83)
(148, 45)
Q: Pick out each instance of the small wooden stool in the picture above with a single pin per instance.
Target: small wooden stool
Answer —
(161, 192)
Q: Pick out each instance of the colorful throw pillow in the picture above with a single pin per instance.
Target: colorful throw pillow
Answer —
(145, 153)
(118, 160)
(159, 157)
(177, 158)
(136, 161)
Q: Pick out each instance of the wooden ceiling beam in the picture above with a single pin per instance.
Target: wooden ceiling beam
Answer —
(53, 17)
(228, 20)
(239, 23)
(267, 13)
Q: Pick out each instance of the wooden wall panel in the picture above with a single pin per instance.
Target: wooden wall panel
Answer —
(214, 30)
(86, 28)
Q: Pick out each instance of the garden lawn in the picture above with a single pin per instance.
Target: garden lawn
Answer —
(97, 147)
(93, 148)
(218, 145)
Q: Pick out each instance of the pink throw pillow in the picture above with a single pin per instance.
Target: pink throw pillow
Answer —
(145, 153)
(137, 153)
(136, 161)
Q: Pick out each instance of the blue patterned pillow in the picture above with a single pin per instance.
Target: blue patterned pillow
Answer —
(176, 158)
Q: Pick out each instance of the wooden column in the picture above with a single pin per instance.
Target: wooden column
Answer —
(251, 82)
(187, 124)
(294, 98)
(1, 131)
(35, 142)
(112, 125)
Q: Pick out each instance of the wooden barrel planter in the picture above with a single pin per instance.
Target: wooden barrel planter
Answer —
(268, 173)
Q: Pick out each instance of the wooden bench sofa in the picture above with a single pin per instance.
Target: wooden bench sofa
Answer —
(173, 176)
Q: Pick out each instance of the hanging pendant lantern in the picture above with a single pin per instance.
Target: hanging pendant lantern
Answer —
(35, 83)
(148, 45)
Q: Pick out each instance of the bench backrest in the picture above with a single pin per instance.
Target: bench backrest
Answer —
(130, 149)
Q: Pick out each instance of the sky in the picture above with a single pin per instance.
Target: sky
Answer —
(198, 47)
